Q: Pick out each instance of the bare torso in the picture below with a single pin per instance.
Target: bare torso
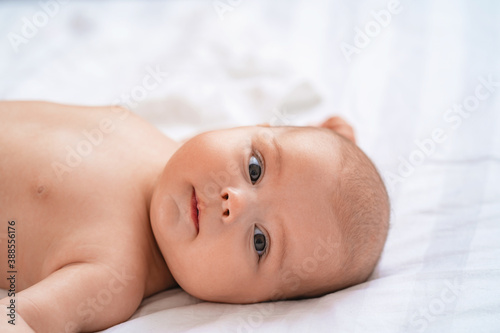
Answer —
(77, 181)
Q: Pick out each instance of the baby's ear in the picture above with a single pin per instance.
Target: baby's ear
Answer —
(340, 126)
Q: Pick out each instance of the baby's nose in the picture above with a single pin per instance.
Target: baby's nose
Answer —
(232, 205)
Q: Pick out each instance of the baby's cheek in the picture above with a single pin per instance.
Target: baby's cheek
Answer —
(209, 269)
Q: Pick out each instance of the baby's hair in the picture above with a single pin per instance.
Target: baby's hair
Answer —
(361, 207)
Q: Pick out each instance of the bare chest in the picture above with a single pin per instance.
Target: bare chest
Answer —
(72, 192)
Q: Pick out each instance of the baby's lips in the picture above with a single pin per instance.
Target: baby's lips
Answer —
(194, 210)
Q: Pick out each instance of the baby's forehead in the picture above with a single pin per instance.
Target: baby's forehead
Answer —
(311, 236)
(306, 201)
(313, 142)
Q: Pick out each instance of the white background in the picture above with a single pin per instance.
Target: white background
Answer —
(282, 62)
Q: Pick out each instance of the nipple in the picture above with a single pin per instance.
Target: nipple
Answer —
(42, 191)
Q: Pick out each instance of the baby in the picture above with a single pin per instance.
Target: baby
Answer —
(99, 210)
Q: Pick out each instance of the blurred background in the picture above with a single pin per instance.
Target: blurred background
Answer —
(418, 80)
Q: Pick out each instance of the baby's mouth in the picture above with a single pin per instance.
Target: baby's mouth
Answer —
(195, 211)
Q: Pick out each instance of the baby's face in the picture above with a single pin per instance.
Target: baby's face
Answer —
(265, 228)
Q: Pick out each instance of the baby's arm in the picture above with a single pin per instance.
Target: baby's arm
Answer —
(65, 301)
(20, 325)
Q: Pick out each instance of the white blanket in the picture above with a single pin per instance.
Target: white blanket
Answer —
(417, 79)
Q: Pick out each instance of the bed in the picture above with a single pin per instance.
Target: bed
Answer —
(418, 80)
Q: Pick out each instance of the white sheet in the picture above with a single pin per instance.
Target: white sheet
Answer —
(281, 62)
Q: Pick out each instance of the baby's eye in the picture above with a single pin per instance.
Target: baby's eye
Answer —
(254, 169)
(259, 241)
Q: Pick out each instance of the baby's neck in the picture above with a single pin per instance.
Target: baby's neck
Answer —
(159, 277)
